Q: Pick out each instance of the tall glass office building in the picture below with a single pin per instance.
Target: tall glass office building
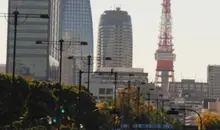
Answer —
(32, 60)
(76, 26)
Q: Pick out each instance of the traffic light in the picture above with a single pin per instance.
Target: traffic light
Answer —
(54, 120)
(62, 111)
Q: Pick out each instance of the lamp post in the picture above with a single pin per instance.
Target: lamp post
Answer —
(162, 107)
(148, 98)
(79, 96)
(16, 14)
(89, 58)
(61, 42)
(174, 111)
(138, 104)
(115, 92)
(128, 99)
(129, 87)
(89, 63)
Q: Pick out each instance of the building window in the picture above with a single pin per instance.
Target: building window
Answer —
(101, 90)
(109, 91)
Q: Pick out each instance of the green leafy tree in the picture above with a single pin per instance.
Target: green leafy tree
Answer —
(12, 98)
(41, 103)
(88, 111)
(35, 100)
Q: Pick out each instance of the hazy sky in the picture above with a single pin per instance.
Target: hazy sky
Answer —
(196, 32)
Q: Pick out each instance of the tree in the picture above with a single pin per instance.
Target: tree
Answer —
(127, 100)
(35, 100)
(127, 104)
(208, 119)
(13, 97)
(41, 103)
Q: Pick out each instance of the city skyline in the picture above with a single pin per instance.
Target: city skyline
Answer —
(195, 31)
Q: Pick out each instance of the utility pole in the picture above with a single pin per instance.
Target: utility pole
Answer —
(16, 13)
(61, 59)
(89, 63)
(14, 52)
(157, 102)
(116, 76)
(162, 112)
(148, 109)
(138, 105)
(123, 99)
(129, 87)
(79, 95)
(148, 98)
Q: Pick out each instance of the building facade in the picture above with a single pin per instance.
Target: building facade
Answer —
(32, 60)
(2, 68)
(115, 39)
(212, 105)
(76, 26)
(176, 88)
(102, 81)
(213, 79)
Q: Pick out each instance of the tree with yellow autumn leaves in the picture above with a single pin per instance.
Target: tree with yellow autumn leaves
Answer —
(126, 106)
(132, 107)
(208, 119)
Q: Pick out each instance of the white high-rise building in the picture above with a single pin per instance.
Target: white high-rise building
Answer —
(213, 79)
(115, 39)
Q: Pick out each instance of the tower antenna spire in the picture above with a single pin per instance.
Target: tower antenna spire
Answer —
(164, 54)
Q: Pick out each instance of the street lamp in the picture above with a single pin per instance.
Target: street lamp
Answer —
(148, 98)
(138, 103)
(89, 58)
(162, 108)
(174, 111)
(61, 42)
(89, 64)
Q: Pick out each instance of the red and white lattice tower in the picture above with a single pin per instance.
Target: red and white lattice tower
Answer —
(164, 54)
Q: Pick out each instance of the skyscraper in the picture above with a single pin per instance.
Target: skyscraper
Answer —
(76, 26)
(115, 39)
(213, 76)
(32, 60)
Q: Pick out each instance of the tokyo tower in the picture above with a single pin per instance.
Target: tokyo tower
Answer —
(164, 54)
